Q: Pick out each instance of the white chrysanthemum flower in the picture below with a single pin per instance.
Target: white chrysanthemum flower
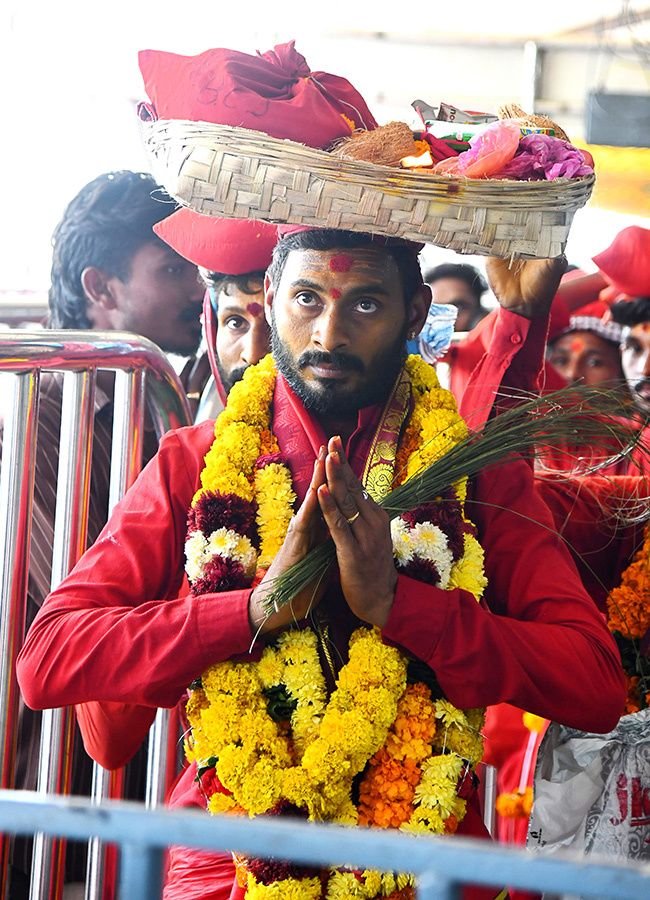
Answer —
(430, 543)
(227, 543)
(401, 536)
(195, 547)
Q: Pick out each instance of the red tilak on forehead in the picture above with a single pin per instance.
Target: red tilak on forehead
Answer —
(645, 326)
(336, 294)
(576, 345)
(255, 309)
(341, 263)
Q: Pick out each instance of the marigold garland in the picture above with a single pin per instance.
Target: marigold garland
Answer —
(628, 618)
(268, 729)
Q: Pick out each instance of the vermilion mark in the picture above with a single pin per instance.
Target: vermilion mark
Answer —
(341, 263)
(645, 326)
(576, 345)
(336, 294)
(255, 309)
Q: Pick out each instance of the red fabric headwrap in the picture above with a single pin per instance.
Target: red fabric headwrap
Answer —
(626, 263)
(229, 246)
(274, 92)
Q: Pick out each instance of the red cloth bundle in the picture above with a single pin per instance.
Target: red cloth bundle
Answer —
(274, 92)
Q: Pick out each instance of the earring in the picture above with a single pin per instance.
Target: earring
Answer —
(412, 336)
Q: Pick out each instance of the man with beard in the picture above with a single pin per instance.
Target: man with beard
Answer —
(343, 419)
(634, 316)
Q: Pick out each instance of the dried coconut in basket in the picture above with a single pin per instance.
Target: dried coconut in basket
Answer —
(383, 146)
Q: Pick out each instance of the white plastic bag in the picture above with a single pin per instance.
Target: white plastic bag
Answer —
(592, 791)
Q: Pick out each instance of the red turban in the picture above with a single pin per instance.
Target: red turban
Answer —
(229, 246)
(626, 263)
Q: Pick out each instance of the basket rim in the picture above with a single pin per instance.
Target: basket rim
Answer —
(321, 163)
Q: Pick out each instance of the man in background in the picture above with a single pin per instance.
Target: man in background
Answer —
(461, 286)
(634, 316)
(587, 350)
(232, 255)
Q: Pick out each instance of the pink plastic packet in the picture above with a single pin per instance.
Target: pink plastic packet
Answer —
(489, 152)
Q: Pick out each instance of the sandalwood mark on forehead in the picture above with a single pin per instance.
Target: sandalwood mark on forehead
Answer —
(255, 309)
(336, 294)
(341, 262)
(577, 345)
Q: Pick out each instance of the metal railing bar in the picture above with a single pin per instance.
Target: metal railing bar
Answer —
(141, 872)
(126, 460)
(157, 757)
(432, 887)
(69, 542)
(78, 354)
(450, 859)
(16, 496)
(128, 422)
(60, 350)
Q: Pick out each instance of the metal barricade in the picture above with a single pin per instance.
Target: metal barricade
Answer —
(441, 865)
(141, 371)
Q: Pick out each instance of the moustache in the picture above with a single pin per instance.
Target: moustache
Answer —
(340, 360)
(642, 386)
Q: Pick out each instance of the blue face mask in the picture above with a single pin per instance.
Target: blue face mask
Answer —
(436, 336)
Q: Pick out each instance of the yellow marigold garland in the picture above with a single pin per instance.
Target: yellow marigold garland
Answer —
(372, 718)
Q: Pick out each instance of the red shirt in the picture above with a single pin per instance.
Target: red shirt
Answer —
(116, 631)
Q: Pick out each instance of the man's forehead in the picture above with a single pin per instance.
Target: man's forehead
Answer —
(231, 297)
(371, 263)
(640, 330)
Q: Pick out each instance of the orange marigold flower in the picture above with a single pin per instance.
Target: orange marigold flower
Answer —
(387, 791)
(405, 893)
(632, 703)
(628, 606)
(515, 805)
(527, 801)
(451, 824)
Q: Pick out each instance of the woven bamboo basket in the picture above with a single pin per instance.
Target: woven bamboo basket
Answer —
(220, 170)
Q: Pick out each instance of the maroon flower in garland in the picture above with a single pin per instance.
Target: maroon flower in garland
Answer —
(266, 871)
(421, 570)
(267, 458)
(447, 515)
(221, 574)
(215, 510)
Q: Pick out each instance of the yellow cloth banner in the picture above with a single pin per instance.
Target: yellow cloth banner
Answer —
(622, 178)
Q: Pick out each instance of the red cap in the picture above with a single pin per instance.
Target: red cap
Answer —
(594, 317)
(626, 263)
(229, 246)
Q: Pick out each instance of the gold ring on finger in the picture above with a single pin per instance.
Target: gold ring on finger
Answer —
(354, 517)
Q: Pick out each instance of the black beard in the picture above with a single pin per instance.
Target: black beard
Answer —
(330, 399)
(228, 379)
(641, 400)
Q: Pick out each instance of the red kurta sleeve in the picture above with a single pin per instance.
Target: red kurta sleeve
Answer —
(513, 362)
(115, 629)
(539, 642)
